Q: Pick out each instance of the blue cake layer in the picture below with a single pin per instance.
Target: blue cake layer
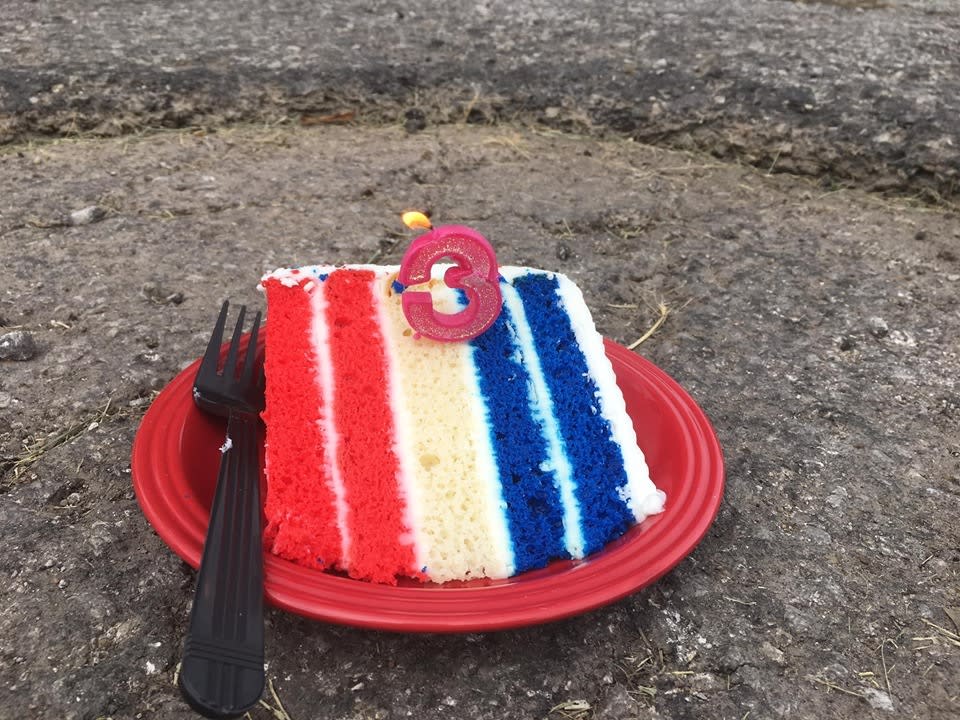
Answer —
(534, 510)
(596, 459)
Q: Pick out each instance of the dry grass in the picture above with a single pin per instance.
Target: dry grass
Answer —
(739, 602)
(833, 686)
(276, 709)
(572, 710)
(663, 311)
(951, 638)
(883, 661)
(514, 142)
(850, 4)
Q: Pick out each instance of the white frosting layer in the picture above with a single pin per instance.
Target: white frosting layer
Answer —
(639, 492)
(319, 338)
(410, 490)
(291, 277)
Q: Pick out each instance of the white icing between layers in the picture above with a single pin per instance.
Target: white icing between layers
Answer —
(541, 406)
(487, 468)
(639, 493)
(291, 277)
(319, 337)
(409, 491)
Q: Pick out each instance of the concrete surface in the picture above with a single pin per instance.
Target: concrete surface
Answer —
(157, 158)
(849, 91)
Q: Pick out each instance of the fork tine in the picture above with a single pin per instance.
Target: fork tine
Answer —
(230, 366)
(208, 365)
(251, 357)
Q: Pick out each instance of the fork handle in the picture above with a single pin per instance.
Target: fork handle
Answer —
(222, 672)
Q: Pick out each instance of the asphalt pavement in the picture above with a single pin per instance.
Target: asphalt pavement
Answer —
(851, 92)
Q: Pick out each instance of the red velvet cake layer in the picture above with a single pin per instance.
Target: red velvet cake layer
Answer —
(300, 502)
(380, 542)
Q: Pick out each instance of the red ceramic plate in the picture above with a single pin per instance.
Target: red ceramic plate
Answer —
(175, 460)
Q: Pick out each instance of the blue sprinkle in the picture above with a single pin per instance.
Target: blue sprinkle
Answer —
(424, 569)
(322, 277)
(398, 287)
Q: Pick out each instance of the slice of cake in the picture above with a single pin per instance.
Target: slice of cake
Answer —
(389, 454)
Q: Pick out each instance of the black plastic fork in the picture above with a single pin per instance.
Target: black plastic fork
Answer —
(222, 674)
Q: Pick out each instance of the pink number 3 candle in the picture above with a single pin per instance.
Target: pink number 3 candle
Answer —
(475, 272)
